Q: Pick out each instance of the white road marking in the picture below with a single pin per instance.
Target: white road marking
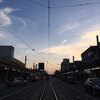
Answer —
(10, 94)
(53, 91)
(42, 93)
(92, 98)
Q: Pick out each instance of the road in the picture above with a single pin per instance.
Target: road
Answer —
(53, 89)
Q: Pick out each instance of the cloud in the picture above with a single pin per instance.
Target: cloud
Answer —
(4, 16)
(63, 42)
(2, 34)
(5, 19)
(22, 46)
(65, 28)
(19, 21)
(7, 10)
(28, 51)
(1, 1)
(76, 48)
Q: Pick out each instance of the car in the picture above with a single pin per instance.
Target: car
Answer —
(34, 78)
(64, 78)
(92, 85)
(71, 80)
(16, 81)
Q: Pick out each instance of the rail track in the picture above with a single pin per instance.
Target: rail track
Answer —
(46, 93)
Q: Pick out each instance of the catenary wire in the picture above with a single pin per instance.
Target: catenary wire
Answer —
(49, 7)
(35, 2)
(22, 41)
(49, 25)
(81, 4)
(18, 38)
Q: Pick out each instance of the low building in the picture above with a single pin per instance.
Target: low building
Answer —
(9, 66)
(7, 51)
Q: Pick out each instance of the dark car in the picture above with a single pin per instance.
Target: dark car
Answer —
(71, 80)
(64, 78)
(92, 85)
(34, 78)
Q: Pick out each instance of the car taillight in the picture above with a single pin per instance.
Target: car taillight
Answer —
(32, 78)
(36, 78)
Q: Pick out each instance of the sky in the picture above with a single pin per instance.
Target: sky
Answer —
(72, 30)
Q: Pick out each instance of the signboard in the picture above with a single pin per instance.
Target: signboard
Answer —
(41, 66)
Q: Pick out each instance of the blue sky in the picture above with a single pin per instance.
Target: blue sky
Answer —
(73, 29)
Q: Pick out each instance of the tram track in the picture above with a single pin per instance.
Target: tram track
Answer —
(48, 92)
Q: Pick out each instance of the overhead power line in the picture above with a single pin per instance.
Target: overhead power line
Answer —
(49, 7)
(35, 2)
(49, 26)
(18, 38)
(11, 32)
(81, 4)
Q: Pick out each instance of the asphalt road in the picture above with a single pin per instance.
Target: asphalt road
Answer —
(53, 89)
(67, 91)
(20, 92)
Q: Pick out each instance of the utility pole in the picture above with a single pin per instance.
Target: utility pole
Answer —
(25, 60)
(73, 59)
(98, 48)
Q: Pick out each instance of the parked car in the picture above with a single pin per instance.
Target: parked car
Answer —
(71, 80)
(16, 81)
(92, 85)
(64, 79)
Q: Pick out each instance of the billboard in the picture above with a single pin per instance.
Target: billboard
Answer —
(41, 66)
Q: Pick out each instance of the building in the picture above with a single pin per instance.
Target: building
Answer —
(90, 54)
(65, 65)
(6, 51)
(9, 66)
(89, 66)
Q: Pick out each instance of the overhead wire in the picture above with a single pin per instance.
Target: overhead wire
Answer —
(81, 4)
(48, 20)
(49, 7)
(42, 5)
(49, 26)
(17, 37)
(35, 2)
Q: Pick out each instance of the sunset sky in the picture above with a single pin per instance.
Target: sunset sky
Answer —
(73, 29)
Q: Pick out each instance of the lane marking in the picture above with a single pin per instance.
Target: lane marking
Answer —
(10, 94)
(53, 91)
(77, 90)
(81, 93)
(42, 93)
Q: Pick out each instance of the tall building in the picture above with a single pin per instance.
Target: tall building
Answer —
(65, 65)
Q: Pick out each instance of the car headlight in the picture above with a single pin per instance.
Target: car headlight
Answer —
(25, 81)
